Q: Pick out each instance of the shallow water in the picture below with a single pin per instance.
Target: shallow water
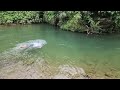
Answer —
(97, 54)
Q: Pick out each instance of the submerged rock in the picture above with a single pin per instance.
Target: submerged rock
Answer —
(31, 44)
(70, 72)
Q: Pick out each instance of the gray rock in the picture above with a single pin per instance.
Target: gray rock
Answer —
(70, 72)
(60, 76)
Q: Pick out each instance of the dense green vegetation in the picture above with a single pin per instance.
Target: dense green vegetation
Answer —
(76, 21)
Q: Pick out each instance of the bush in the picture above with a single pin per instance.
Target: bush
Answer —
(80, 21)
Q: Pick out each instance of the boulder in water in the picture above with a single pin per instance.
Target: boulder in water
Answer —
(32, 44)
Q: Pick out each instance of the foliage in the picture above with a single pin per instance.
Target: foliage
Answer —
(73, 23)
(49, 17)
(21, 17)
(76, 21)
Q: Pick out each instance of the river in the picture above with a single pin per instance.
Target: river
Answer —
(97, 54)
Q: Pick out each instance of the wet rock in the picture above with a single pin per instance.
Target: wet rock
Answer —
(21, 71)
(108, 74)
(70, 72)
(60, 76)
(41, 69)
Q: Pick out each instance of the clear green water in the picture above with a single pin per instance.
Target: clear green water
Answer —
(94, 53)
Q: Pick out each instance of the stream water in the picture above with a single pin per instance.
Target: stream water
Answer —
(97, 54)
